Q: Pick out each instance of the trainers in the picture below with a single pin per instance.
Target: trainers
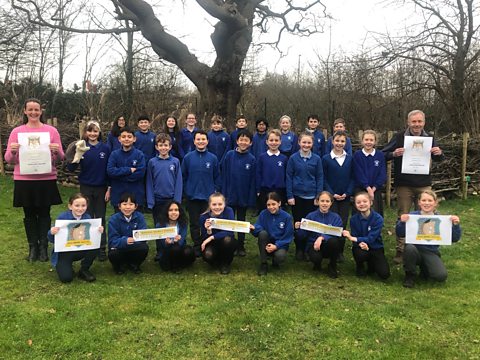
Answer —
(409, 281)
(398, 259)
(263, 269)
(225, 269)
(102, 255)
(86, 275)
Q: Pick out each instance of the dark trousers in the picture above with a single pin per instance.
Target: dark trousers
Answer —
(342, 208)
(65, 261)
(195, 208)
(278, 257)
(97, 207)
(431, 265)
(241, 214)
(300, 210)
(176, 257)
(329, 249)
(375, 259)
(122, 257)
(220, 252)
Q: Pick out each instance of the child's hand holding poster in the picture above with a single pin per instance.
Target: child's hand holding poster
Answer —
(429, 230)
(76, 235)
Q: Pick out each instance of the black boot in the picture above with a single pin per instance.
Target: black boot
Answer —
(43, 227)
(409, 281)
(32, 238)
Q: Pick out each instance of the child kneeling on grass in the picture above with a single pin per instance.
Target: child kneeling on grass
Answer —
(320, 246)
(123, 251)
(218, 246)
(63, 261)
(274, 230)
(174, 253)
(425, 256)
(366, 236)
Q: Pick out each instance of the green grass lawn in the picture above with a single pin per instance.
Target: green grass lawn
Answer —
(292, 313)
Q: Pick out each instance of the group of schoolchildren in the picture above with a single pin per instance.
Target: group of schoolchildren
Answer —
(221, 175)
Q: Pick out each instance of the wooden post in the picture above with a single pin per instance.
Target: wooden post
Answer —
(388, 186)
(360, 136)
(464, 166)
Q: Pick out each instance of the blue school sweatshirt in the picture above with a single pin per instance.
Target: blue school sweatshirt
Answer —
(218, 143)
(304, 176)
(271, 170)
(279, 227)
(121, 177)
(338, 179)
(318, 142)
(400, 229)
(227, 214)
(145, 142)
(330, 218)
(93, 165)
(347, 148)
(289, 143)
(200, 175)
(187, 140)
(181, 230)
(367, 230)
(164, 180)
(259, 144)
(233, 138)
(66, 215)
(120, 229)
(369, 169)
(113, 142)
(176, 141)
(238, 178)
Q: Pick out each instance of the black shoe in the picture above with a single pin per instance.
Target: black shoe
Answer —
(341, 258)
(86, 275)
(102, 255)
(119, 270)
(409, 281)
(360, 271)
(135, 268)
(157, 257)
(300, 256)
(43, 253)
(225, 269)
(317, 267)
(198, 252)
(240, 252)
(332, 271)
(263, 269)
(32, 253)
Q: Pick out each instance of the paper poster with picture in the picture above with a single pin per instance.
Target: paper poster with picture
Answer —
(429, 230)
(77, 235)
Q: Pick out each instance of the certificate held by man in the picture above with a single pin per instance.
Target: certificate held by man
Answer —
(417, 155)
(34, 154)
(230, 225)
(320, 228)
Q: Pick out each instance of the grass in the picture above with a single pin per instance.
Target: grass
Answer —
(292, 313)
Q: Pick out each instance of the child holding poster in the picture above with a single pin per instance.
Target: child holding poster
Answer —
(63, 261)
(320, 246)
(123, 251)
(426, 256)
(274, 231)
(174, 253)
(218, 246)
(366, 236)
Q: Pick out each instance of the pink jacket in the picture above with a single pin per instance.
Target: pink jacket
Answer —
(13, 159)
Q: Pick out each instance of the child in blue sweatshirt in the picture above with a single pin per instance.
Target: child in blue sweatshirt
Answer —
(425, 256)
(164, 180)
(145, 139)
(174, 253)
(240, 124)
(218, 246)
(93, 179)
(187, 133)
(339, 125)
(170, 127)
(366, 235)
(271, 169)
(304, 181)
(218, 139)
(123, 251)
(369, 170)
(319, 245)
(63, 261)
(238, 181)
(126, 170)
(259, 141)
(289, 141)
(338, 179)
(274, 230)
(200, 180)
(112, 138)
(318, 137)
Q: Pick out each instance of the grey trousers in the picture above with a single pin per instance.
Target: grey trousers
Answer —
(430, 263)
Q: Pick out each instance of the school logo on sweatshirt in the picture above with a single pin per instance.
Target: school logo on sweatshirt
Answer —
(281, 225)
(172, 167)
(247, 166)
(223, 138)
(208, 165)
(102, 155)
(369, 228)
(134, 162)
(376, 163)
(289, 137)
(280, 163)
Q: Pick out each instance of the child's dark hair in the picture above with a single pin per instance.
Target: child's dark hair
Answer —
(127, 196)
(25, 117)
(303, 134)
(245, 133)
(201, 132)
(161, 138)
(164, 219)
(274, 196)
(241, 117)
(127, 130)
(324, 193)
(115, 131)
(261, 119)
(76, 196)
(339, 133)
(143, 117)
(313, 116)
(361, 192)
(176, 128)
(91, 125)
